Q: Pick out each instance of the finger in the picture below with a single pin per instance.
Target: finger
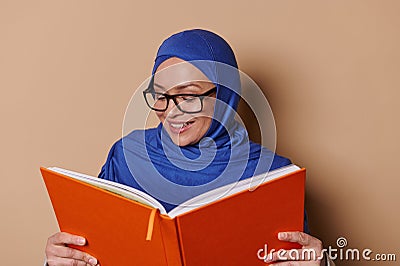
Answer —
(292, 255)
(286, 263)
(56, 248)
(62, 238)
(57, 251)
(295, 263)
(297, 237)
(66, 262)
(67, 252)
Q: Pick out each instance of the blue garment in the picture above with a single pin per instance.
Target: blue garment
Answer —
(116, 169)
(148, 159)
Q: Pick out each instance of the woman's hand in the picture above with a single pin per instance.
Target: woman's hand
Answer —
(309, 254)
(58, 254)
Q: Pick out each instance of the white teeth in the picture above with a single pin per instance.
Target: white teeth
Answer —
(177, 125)
(180, 125)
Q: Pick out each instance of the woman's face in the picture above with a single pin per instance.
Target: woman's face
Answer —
(170, 78)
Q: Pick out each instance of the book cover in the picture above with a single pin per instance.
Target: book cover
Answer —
(229, 231)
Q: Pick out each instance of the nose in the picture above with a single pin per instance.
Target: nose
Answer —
(172, 110)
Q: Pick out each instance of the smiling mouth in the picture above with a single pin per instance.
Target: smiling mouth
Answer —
(179, 128)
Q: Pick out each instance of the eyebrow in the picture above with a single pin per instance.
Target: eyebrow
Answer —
(161, 87)
(179, 86)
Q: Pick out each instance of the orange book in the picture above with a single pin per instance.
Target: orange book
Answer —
(127, 227)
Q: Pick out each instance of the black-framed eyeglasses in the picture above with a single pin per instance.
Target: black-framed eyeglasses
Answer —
(186, 102)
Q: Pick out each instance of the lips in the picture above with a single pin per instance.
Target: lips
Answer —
(178, 127)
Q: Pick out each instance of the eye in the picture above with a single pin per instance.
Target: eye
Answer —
(188, 98)
(159, 97)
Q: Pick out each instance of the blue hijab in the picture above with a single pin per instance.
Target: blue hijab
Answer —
(148, 159)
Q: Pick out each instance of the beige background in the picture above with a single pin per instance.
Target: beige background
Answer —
(330, 70)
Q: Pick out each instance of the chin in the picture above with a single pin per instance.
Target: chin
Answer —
(184, 139)
(182, 142)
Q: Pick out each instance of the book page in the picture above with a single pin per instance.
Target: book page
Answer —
(230, 189)
(117, 188)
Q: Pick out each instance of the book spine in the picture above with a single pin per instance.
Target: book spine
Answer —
(170, 238)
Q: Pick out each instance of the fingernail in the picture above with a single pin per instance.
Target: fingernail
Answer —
(281, 235)
(81, 241)
(93, 261)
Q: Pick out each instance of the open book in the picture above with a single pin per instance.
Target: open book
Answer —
(125, 226)
(205, 198)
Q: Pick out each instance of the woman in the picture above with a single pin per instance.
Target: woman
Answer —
(198, 145)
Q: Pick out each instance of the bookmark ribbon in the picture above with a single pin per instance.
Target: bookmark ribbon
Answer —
(151, 224)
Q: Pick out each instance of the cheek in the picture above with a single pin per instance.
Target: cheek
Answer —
(208, 122)
(205, 124)
(160, 116)
(208, 108)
